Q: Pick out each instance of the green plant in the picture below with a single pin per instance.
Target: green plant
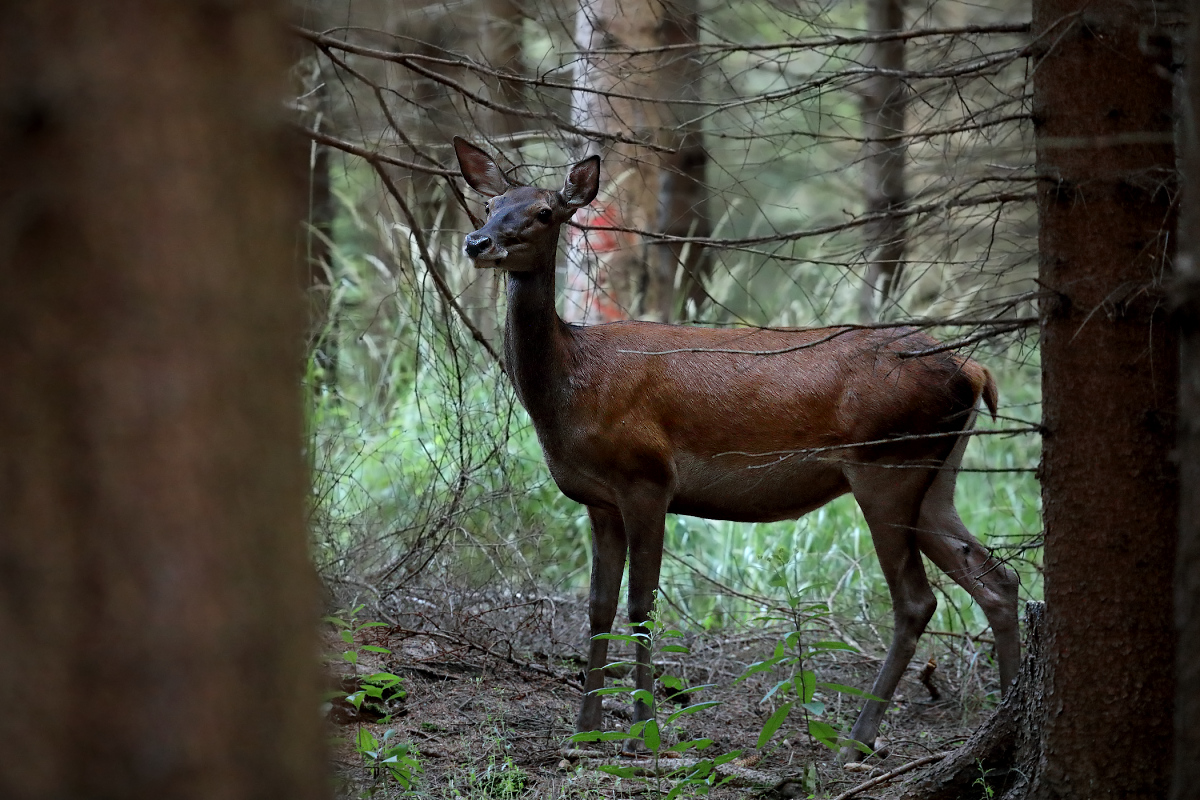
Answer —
(381, 756)
(700, 776)
(381, 691)
(982, 781)
(794, 655)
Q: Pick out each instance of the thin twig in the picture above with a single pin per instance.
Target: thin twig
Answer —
(438, 281)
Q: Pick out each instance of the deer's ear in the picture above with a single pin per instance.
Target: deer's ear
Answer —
(478, 168)
(583, 182)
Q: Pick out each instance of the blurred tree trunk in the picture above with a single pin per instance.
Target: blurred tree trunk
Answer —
(1186, 784)
(501, 48)
(1106, 161)
(616, 274)
(884, 98)
(157, 606)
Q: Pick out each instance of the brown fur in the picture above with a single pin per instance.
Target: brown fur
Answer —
(639, 419)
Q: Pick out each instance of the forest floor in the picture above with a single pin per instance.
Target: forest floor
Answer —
(492, 687)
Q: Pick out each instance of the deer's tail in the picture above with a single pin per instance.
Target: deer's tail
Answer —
(983, 383)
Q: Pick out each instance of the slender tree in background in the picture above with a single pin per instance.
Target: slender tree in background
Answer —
(1186, 784)
(500, 48)
(622, 81)
(1106, 162)
(884, 97)
(158, 607)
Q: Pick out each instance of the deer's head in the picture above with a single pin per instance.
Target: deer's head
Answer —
(523, 221)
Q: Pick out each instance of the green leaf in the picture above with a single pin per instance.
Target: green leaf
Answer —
(356, 699)
(832, 646)
(806, 685)
(673, 683)
(696, 688)
(384, 679)
(351, 656)
(824, 733)
(620, 772)
(776, 688)
(691, 710)
(672, 634)
(815, 707)
(760, 666)
(374, 691)
(341, 623)
(607, 690)
(643, 696)
(617, 637)
(726, 758)
(371, 625)
(366, 741)
(673, 648)
(651, 736)
(837, 687)
(370, 648)
(772, 724)
(699, 744)
(347, 637)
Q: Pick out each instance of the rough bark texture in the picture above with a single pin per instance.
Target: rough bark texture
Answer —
(1102, 115)
(618, 274)
(157, 606)
(884, 98)
(1003, 754)
(1186, 784)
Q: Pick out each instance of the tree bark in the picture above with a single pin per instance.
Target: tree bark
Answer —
(1102, 115)
(1186, 301)
(611, 275)
(157, 605)
(884, 101)
(1103, 121)
(1002, 756)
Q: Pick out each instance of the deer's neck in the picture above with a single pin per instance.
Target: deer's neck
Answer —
(536, 344)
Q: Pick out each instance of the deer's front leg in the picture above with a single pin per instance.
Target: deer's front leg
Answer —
(645, 517)
(608, 562)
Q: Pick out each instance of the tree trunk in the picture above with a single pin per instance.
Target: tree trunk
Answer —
(884, 98)
(615, 274)
(1186, 783)
(682, 190)
(1103, 120)
(1102, 111)
(157, 606)
(1003, 754)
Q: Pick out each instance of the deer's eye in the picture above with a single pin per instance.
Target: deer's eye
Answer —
(544, 215)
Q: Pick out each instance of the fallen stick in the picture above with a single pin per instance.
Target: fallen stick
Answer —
(887, 776)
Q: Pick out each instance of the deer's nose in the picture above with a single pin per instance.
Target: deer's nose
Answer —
(476, 244)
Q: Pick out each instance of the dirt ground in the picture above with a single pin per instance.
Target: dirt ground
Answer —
(493, 685)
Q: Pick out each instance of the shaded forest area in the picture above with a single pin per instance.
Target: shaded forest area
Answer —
(219, 427)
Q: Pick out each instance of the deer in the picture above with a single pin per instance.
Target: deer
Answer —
(640, 419)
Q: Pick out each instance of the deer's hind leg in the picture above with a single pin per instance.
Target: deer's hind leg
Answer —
(890, 499)
(944, 538)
